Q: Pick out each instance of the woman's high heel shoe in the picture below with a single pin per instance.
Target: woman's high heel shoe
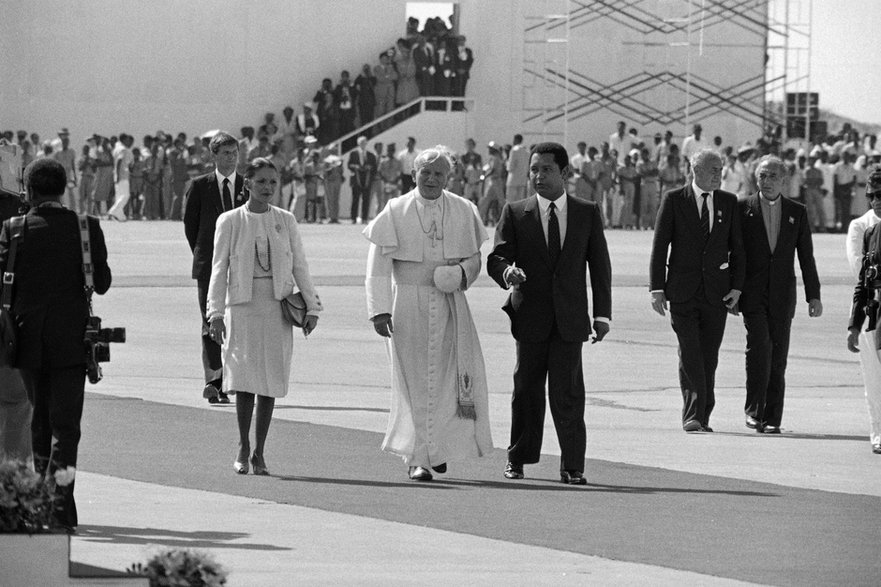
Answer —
(259, 465)
(240, 468)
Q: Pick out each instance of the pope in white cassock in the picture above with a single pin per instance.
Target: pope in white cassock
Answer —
(424, 254)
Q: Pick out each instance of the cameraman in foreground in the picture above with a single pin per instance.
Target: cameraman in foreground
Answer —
(51, 310)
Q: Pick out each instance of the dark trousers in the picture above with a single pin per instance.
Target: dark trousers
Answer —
(767, 348)
(699, 327)
(559, 362)
(360, 193)
(211, 358)
(57, 397)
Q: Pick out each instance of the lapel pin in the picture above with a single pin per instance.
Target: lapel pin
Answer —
(791, 220)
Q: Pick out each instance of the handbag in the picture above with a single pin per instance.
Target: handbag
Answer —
(293, 309)
(8, 329)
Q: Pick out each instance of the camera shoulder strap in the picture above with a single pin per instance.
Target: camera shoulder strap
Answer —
(88, 270)
(17, 224)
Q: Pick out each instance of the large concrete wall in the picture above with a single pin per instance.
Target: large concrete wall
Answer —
(110, 66)
(107, 66)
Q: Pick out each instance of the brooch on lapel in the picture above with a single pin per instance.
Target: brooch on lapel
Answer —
(748, 212)
(791, 220)
(239, 197)
(719, 215)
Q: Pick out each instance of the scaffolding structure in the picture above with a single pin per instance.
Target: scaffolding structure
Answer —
(788, 70)
(671, 88)
(546, 49)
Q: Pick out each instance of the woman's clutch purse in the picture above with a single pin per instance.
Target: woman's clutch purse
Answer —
(293, 309)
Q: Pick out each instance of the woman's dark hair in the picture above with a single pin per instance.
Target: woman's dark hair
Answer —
(258, 164)
(46, 177)
(561, 157)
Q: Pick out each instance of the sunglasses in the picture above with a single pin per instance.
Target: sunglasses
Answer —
(873, 195)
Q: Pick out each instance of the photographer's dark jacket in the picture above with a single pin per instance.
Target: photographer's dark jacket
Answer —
(49, 300)
(868, 285)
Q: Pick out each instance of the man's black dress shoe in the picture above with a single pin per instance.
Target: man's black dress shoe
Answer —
(572, 478)
(420, 474)
(513, 470)
(692, 426)
(441, 468)
(222, 397)
(771, 429)
(751, 422)
(876, 448)
(210, 393)
(706, 429)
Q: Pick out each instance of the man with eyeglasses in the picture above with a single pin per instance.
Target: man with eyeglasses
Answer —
(775, 230)
(863, 254)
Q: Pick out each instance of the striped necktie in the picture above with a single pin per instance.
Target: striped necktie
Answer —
(705, 216)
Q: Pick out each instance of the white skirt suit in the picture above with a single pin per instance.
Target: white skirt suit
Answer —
(258, 260)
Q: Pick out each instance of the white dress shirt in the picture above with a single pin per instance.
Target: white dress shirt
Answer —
(232, 187)
(544, 207)
(698, 192)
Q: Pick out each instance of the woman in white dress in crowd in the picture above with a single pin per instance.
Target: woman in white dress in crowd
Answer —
(258, 260)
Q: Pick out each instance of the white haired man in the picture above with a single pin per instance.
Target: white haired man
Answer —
(428, 243)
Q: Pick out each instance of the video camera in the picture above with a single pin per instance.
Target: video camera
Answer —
(97, 341)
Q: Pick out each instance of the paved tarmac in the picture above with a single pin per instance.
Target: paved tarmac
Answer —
(661, 507)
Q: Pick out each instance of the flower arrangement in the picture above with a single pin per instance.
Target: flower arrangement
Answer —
(25, 499)
(181, 568)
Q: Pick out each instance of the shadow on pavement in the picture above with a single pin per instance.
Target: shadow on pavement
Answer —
(169, 538)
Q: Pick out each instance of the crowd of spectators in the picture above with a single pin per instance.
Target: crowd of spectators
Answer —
(627, 174)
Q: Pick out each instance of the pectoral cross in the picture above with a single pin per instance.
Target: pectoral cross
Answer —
(433, 234)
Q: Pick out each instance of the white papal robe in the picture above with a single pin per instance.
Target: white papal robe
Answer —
(409, 239)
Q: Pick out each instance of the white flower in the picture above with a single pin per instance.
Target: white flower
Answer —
(65, 477)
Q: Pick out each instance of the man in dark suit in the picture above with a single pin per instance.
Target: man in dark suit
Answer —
(699, 226)
(207, 197)
(363, 165)
(51, 309)
(15, 409)
(543, 246)
(774, 230)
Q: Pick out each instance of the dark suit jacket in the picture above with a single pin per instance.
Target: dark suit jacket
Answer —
(864, 292)
(553, 294)
(770, 277)
(48, 301)
(364, 176)
(203, 207)
(717, 264)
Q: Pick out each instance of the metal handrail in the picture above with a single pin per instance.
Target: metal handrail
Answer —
(421, 106)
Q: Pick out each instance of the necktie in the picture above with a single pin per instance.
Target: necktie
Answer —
(227, 200)
(553, 235)
(705, 216)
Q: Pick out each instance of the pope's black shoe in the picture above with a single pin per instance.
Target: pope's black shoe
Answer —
(420, 474)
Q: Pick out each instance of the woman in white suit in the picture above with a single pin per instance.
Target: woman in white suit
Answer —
(258, 260)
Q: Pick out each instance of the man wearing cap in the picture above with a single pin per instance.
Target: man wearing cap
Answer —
(427, 242)
(544, 246)
(864, 237)
(694, 143)
(697, 271)
(65, 155)
(775, 230)
(207, 197)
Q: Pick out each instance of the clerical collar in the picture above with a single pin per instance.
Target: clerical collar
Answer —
(426, 202)
(769, 201)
